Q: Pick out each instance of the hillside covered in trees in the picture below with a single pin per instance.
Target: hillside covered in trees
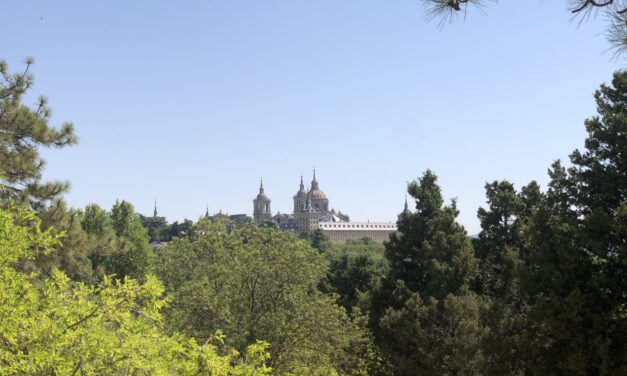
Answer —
(541, 290)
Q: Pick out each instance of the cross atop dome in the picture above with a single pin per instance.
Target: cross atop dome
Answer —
(314, 182)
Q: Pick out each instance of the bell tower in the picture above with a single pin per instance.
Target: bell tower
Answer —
(300, 198)
(261, 207)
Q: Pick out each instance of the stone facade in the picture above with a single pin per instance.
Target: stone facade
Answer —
(344, 231)
(261, 210)
(311, 213)
(310, 206)
(238, 219)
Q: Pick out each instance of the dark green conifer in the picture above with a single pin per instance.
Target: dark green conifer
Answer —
(23, 130)
(429, 317)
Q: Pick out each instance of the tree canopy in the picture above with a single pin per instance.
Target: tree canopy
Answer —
(428, 317)
(54, 327)
(260, 283)
(540, 290)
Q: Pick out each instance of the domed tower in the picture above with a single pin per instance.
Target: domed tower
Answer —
(261, 207)
(313, 206)
(317, 200)
(300, 199)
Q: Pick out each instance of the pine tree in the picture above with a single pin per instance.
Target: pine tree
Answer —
(498, 248)
(22, 131)
(575, 253)
(431, 323)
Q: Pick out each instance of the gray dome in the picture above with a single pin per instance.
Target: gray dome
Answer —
(301, 193)
(317, 194)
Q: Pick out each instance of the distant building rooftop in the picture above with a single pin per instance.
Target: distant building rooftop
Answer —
(357, 226)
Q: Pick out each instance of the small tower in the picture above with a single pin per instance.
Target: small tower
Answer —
(317, 200)
(261, 207)
(154, 214)
(405, 210)
(300, 198)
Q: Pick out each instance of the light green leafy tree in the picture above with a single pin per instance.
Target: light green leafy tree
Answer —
(73, 255)
(52, 326)
(133, 257)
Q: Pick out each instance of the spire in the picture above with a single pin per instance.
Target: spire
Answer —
(302, 185)
(155, 212)
(406, 209)
(207, 212)
(261, 186)
(314, 182)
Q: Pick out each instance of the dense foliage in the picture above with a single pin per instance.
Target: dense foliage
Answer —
(356, 269)
(540, 290)
(260, 283)
(427, 312)
(53, 326)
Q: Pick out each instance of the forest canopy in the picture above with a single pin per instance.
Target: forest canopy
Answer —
(540, 290)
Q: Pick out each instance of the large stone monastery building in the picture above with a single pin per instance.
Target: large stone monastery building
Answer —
(311, 212)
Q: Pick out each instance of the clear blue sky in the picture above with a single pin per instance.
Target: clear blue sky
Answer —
(190, 102)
